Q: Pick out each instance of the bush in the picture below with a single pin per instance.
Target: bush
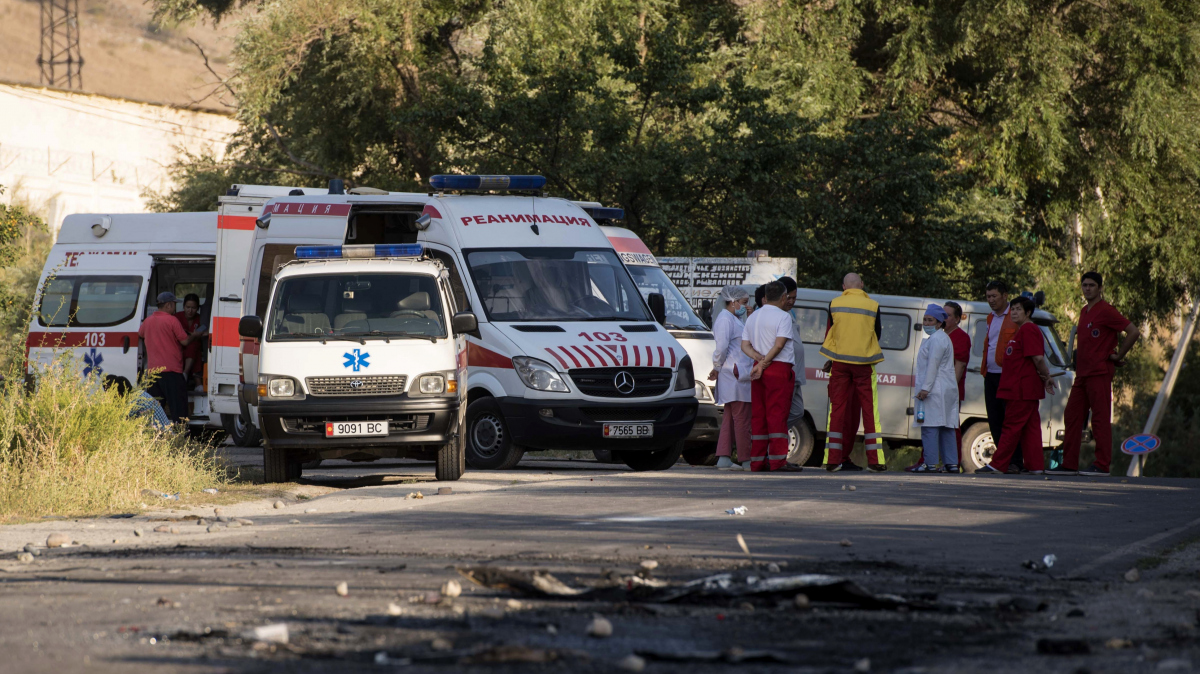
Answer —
(69, 447)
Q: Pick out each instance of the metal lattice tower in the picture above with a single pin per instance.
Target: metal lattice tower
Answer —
(59, 59)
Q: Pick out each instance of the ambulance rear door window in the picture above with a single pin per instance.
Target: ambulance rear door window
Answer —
(894, 335)
(812, 322)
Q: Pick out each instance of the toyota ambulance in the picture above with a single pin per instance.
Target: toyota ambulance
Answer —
(360, 357)
(567, 353)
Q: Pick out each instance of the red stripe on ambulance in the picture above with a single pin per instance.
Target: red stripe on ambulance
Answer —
(585, 356)
(81, 338)
(225, 332)
(569, 355)
(242, 222)
(560, 360)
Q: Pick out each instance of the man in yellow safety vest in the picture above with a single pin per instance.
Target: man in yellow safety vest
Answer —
(852, 346)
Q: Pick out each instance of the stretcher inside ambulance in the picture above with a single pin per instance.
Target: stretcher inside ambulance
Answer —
(567, 354)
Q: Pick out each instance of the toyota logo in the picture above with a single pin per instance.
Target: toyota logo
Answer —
(357, 383)
(623, 382)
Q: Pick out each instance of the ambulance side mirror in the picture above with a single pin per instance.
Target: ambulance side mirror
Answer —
(250, 327)
(658, 307)
(464, 322)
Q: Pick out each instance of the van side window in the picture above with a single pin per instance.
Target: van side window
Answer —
(812, 323)
(274, 256)
(980, 335)
(456, 284)
(895, 331)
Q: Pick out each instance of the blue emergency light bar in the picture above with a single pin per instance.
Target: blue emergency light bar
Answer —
(359, 251)
(487, 183)
(601, 213)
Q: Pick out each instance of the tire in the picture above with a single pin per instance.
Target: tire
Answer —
(978, 446)
(489, 444)
(604, 456)
(451, 461)
(661, 459)
(243, 431)
(703, 454)
(801, 441)
(278, 468)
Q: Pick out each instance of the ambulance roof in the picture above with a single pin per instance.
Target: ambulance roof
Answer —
(160, 230)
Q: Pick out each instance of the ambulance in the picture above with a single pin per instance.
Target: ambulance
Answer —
(567, 352)
(361, 353)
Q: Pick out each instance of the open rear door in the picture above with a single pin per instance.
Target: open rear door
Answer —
(235, 236)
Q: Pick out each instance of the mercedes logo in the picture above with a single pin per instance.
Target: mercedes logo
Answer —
(623, 382)
(357, 383)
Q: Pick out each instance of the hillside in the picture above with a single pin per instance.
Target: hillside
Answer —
(124, 54)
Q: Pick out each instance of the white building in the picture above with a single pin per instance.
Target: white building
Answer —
(77, 153)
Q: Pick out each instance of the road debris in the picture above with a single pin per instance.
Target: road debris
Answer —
(845, 543)
(414, 495)
(342, 589)
(138, 532)
(278, 505)
(742, 544)
(532, 583)
(293, 521)
(393, 609)
(513, 604)
(649, 564)
(452, 589)
(740, 510)
(57, 540)
(31, 549)
(275, 633)
(167, 603)
(25, 557)
(600, 627)
(1133, 575)
(210, 490)
(632, 663)
(1049, 560)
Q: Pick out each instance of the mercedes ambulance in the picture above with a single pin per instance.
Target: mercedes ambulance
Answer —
(360, 357)
(567, 353)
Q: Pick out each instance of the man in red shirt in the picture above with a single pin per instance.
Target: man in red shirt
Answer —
(1023, 384)
(189, 319)
(962, 353)
(1096, 359)
(164, 340)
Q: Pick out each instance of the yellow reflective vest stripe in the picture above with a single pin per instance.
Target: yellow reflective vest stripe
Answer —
(851, 338)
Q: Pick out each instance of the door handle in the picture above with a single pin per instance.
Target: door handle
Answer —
(231, 298)
(125, 344)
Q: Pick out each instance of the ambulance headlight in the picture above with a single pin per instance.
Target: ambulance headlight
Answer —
(432, 383)
(274, 386)
(685, 380)
(702, 392)
(539, 375)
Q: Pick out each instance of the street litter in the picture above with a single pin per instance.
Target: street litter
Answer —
(1132, 575)
(649, 564)
(210, 490)
(846, 543)
(742, 544)
(414, 495)
(451, 588)
(342, 589)
(138, 532)
(1049, 560)
(600, 627)
(534, 583)
(275, 633)
(393, 609)
(740, 510)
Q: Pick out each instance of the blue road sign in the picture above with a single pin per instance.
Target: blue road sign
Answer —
(1138, 445)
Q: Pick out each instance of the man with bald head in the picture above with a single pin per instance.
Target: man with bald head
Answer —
(852, 346)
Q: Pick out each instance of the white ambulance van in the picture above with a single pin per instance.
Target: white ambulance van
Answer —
(685, 326)
(567, 353)
(360, 357)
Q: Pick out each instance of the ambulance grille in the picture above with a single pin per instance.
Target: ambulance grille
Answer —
(376, 385)
(601, 381)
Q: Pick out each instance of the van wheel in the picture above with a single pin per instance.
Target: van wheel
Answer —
(278, 468)
(801, 441)
(489, 444)
(977, 446)
(604, 456)
(704, 454)
(243, 432)
(451, 460)
(660, 459)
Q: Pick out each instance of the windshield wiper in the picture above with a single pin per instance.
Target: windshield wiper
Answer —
(344, 338)
(407, 335)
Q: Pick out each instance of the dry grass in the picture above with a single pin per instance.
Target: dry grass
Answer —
(70, 448)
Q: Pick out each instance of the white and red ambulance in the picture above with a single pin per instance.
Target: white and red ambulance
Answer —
(568, 354)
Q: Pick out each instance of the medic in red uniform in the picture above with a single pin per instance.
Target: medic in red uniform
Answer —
(1096, 359)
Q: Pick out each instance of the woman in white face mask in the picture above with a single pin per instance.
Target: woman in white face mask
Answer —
(731, 371)
(937, 395)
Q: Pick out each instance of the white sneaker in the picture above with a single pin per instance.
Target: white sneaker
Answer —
(725, 463)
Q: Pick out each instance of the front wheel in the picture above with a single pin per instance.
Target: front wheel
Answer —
(701, 454)
(451, 460)
(277, 466)
(489, 444)
(977, 446)
(660, 459)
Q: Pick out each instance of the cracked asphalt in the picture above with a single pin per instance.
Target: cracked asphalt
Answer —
(951, 548)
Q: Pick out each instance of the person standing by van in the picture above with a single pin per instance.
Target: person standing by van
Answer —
(962, 354)
(937, 395)
(768, 339)
(1000, 329)
(164, 339)
(731, 371)
(852, 346)
(1096, 360)
(189, 319)
(1023, 384)
(796, 413)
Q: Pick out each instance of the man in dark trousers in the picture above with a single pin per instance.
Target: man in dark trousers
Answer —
(164, 339)
(1000, 329)
(1096, 360)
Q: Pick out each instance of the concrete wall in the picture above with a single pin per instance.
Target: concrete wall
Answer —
(68, 152)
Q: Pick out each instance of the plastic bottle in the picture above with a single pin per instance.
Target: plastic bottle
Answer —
(920, 411)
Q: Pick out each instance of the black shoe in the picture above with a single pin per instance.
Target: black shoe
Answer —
(987, 470)
(851, 466)
(1061, 471)
(833, 467)
(1014, 469)
(877, 467)
(1093, 471)
(789, 468)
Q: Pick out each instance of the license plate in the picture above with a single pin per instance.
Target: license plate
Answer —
(628, 430)
(351, 429)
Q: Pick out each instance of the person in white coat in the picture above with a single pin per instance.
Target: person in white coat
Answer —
(937, 395)
(731, 371)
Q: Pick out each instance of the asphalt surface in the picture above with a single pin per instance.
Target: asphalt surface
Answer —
(950, 550)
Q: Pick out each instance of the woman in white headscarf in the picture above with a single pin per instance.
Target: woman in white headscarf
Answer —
(937, 395)
(731, 370)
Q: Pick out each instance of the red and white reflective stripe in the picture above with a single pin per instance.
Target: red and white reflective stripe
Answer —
(558, 357)
(569, 355)
(598, 353)
(240, 222)
(80, 337)
(585, 356)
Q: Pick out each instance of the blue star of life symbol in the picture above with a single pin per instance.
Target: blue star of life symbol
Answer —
(356, 360)
(92, 363)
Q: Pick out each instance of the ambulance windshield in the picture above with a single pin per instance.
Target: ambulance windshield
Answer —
(362, 306)
(651, 279)
(554, 284)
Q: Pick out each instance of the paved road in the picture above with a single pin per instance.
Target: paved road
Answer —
(954, 542)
